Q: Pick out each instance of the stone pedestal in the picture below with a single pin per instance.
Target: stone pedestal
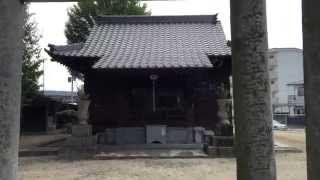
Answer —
(156, 134)
(189, 135)
(225, 111)
(179, 135)
(108, 137)
(81, 130)
(81, 136)
(81, 142)
(130, 135)
(220, 152)
(208, 137)
(198, 135)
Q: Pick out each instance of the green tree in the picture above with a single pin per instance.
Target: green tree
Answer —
(31, 59)
(82, 14)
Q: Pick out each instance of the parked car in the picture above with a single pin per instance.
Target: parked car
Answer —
(278, 126)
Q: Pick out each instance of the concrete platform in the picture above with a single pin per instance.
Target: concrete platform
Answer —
(151, 154)
(225, 152)
(220, 152)
(132, 151)
(38, 151)
(150, 146)
(283, 148)
(140, 151)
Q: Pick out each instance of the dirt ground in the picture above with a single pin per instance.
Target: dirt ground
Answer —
(292, 137)
(289, 166)
(27, 141)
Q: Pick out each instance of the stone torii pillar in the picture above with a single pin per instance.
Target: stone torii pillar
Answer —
(11, 35)
(255, 159)
(311, 51)
(11, 28)
(253, 119)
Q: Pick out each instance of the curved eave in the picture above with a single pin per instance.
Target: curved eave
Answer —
(75, 63)
(222, 62)
(218, 63)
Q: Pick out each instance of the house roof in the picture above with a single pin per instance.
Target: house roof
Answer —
(129, 42)
(60, 93)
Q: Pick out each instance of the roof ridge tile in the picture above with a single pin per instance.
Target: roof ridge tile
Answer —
(145, 19)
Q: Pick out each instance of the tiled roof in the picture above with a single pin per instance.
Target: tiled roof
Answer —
(151, 42)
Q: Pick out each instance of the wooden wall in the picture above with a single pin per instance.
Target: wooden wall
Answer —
(124, 98)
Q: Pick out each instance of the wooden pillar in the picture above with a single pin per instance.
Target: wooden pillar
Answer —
(252, 99)
(11, 28)
(311, 48)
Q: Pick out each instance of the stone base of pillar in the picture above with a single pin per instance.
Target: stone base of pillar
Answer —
(87, 141)
(81, 136)
(81, 130)
(218, 152)
(198, 135)
(77, 153)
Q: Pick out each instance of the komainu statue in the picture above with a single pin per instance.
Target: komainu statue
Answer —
(83, 106)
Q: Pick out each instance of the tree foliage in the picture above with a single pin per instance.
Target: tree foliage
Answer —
(82, 14)
(31, 59)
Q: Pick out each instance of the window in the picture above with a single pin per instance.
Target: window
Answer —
(299, 110)
(300, 91)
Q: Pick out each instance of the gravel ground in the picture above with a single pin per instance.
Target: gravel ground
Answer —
(289, 167)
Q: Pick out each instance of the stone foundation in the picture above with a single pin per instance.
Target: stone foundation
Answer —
(88, 141)
(81, 130)
(155, 134)
(217, 152)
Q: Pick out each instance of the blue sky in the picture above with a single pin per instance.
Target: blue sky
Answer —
(284, 26)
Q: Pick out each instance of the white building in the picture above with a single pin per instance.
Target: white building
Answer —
(273, 76)
(286, 66)
(296, 98)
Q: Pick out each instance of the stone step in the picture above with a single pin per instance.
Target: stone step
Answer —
(38, 151)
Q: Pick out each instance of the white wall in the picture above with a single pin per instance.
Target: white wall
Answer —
(290, 69)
